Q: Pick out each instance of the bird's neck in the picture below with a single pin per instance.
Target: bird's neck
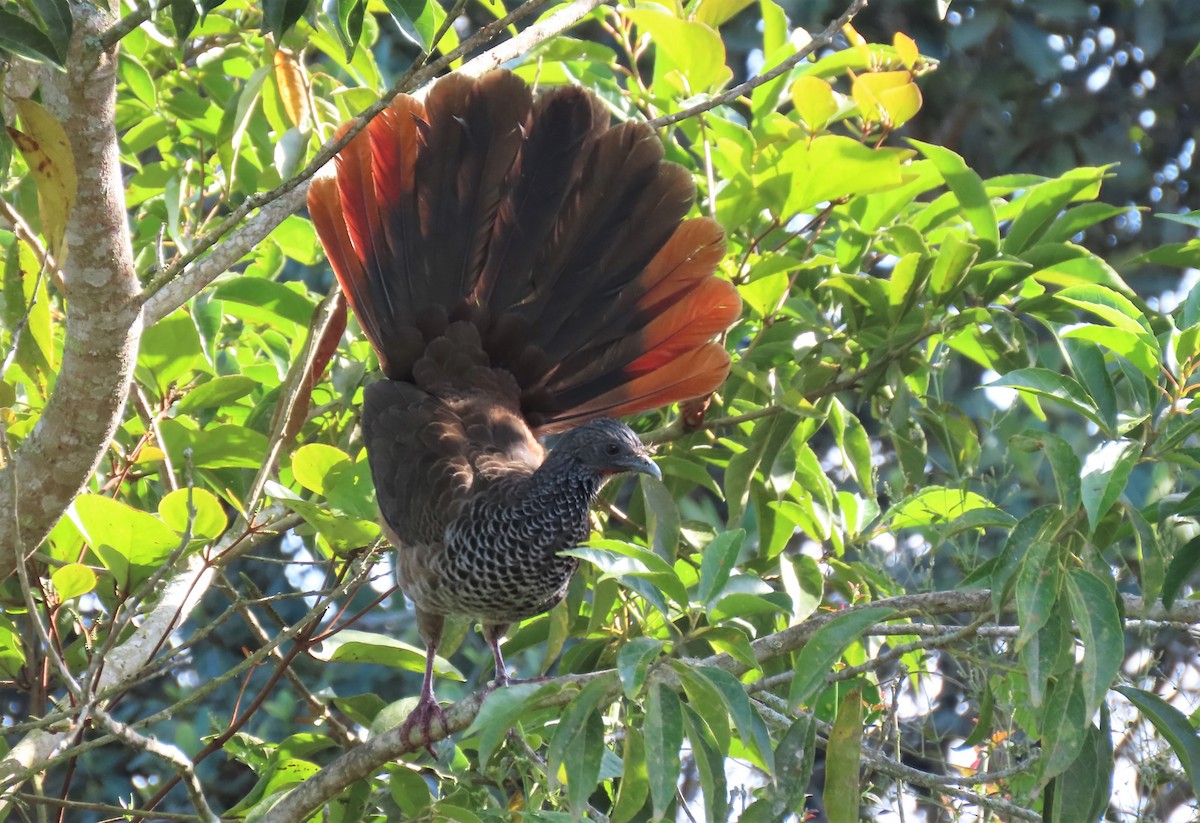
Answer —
(563, 480)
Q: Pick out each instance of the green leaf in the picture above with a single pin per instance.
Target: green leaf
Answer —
(312, 464)
(663, 732)
(968, 188)
(1042, 204)
(220, 391)
(216, 447)
(130, 543)
(854, 444)
(1192, 218)
(1094, 607)
(704, 699)
(1183, 564)
(138, 80)
(12, 649)
(830, 167)
(1105, 472)
(184, 15)
(767, 439)
(1037, 590)
(933, 505)
(408, 789)
(280, 15)
(815, 661)
(354, 646)
(633, 661)
(1049, 654)
(418, 19)
(1064, 464)
(1088, 363)
(168, 351)
(635, 782)
(1064, 727)
(210, 520)
(578, 744)
(983, 725)
(804, 584)
(662, 517)
(720, 558)
(1078, 219)
(361, 708)
(265, 301)
(750, 726)
(350, 24)
(72, 580)
(1174, 726)
(689, 56)
(56, 18)
(27, 305)
(1081, 794)
(794, 758)
(954, 260)
(710, 767)
(501, 710)
(280, 775)
(843, 784)
(1150, 559)
(24, 39)
(717, 12)
(1054, 386)
(627, 563)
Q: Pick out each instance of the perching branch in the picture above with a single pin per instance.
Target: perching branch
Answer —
(362, 761)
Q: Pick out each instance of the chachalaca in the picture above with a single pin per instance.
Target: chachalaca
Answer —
(521, 268)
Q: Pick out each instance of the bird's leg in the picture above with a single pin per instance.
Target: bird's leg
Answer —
(492, 632)
(427, 709)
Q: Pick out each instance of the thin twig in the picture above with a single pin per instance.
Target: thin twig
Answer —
(775, 710)
(125, 26)
(82, 806)
(414, 77)
(730, 95)
(184, 767)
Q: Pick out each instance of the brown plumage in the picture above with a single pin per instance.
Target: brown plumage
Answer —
(521, 269)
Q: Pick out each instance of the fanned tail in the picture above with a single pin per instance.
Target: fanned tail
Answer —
(560, 240)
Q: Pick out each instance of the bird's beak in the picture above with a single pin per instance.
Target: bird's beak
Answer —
(644, 465)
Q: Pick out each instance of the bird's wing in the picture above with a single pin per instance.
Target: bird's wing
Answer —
(429, 453)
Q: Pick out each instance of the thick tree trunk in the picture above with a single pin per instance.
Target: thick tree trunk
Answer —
(58, 457)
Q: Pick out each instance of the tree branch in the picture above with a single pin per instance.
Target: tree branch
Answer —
(362, 761)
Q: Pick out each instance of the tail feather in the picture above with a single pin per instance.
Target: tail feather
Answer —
(562, 241)
(685, 326)
(697, 373)
(566, 122)
(395, 141)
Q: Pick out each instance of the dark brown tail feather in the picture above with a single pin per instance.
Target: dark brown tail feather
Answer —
(561, 239)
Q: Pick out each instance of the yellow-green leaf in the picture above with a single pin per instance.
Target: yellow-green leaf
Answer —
(43, 143)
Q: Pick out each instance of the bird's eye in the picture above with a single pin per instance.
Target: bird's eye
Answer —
(612, 449)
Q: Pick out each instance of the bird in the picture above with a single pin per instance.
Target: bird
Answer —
(522, 267)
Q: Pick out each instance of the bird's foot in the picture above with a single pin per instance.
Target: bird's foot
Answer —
(422, 718)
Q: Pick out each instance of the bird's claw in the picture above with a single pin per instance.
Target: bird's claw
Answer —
(422, 718)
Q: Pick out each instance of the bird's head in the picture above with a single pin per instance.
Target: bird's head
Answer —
(606, 447)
